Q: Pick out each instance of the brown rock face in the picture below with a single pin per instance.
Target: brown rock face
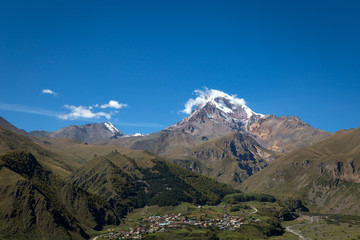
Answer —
(230, 159)
(282, 134)
(343, 171)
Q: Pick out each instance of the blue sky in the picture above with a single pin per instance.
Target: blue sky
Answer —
(283, 57)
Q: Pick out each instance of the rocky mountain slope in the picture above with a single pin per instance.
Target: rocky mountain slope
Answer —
(283, 134)
(165, 142)
(90, 133)
(218, 114)
(325, 175)
(229, 159)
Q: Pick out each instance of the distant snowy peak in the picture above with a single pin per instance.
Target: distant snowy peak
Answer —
(135, 135)
(111, 127)
(138, 134)
(228, 104)
(118, 133)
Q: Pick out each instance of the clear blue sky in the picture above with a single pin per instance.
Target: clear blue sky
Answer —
(283, 57)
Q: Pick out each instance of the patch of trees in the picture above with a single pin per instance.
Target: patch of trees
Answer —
(246, 197)
(290, 209)
(167, 185)
(274, 229)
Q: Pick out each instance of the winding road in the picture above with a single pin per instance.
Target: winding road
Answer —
(297, 233)
(288, 229)
(255, 210)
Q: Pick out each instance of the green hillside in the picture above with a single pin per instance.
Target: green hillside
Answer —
(56, 162)
(147, 180)
(36, 204)
(326, 175)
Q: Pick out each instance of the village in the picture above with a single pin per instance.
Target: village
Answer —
(169, 222)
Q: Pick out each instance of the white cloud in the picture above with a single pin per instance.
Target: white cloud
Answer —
(112, 104)
(48, 91)
(82, 112)
(206, 95)
(78, 112)
(201, 99)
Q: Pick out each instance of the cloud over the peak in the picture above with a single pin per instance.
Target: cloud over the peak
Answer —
(78, 112)
(113, 104)
(206, 95)
(48, 91)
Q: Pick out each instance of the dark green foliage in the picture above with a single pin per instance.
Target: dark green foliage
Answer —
(213, 237)
(246, 197)
(295, 205)
(168, 185)
(211, 189)
(290, 210)
(274, 229)
(132, 186)
(285, 214)
(164, 187)
(234, 208)
(23, 162)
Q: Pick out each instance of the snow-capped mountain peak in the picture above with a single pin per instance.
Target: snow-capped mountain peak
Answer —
(229, 104)
(111, 127)
(215, 113)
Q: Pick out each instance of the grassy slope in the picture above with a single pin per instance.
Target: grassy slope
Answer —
(36, 204)
(326, 175)
(143, 178)
(56, 162)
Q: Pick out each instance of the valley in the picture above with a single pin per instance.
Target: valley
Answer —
(187, 221)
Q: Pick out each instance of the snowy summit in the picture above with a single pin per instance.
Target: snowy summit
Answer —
(222, 101)
(214, 113)
(111, 127)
